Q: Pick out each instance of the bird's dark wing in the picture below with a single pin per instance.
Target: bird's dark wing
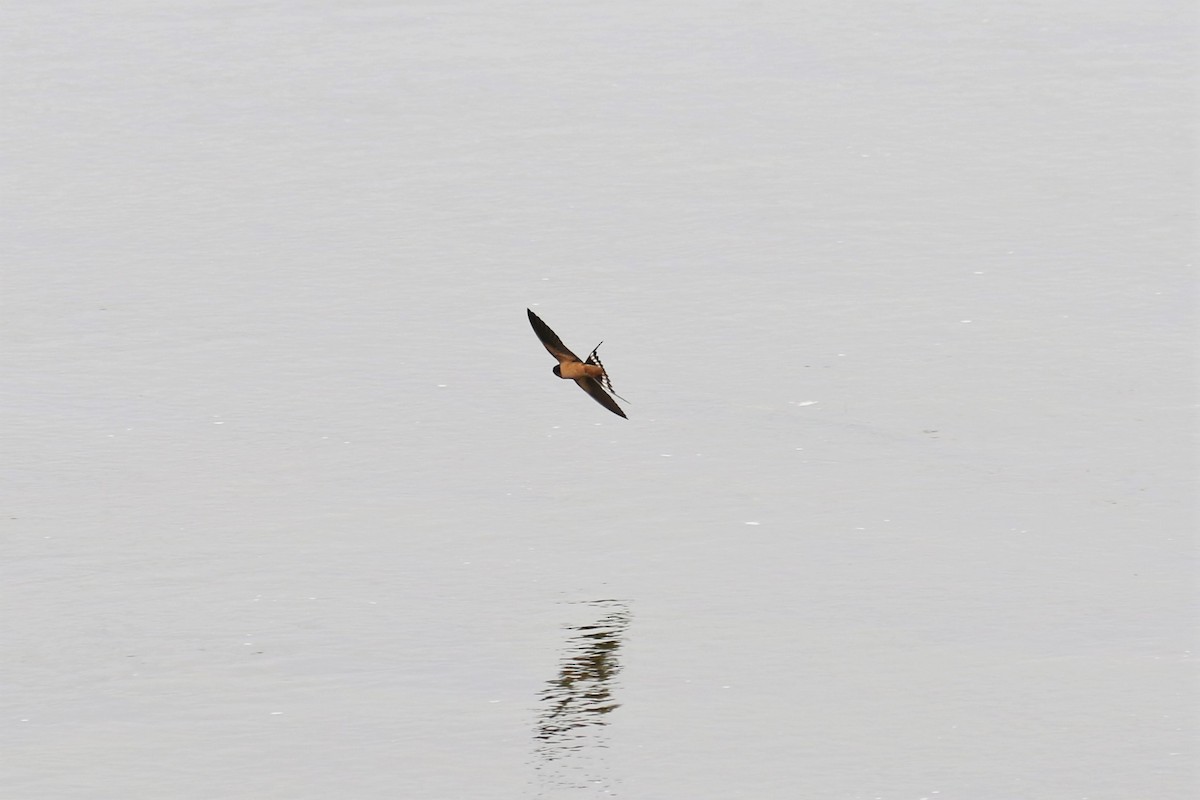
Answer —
(550, 340)
(593, 387)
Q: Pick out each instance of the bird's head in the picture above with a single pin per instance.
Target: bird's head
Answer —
(556, 370)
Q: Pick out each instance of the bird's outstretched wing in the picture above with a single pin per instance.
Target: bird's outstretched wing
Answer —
(551, 341)
(593, 387)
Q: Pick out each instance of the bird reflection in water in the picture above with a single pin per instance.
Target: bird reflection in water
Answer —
(575, 704)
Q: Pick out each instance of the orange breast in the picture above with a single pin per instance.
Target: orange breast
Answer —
(578, 370)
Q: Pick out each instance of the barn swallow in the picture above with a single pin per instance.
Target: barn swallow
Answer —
(590, 375)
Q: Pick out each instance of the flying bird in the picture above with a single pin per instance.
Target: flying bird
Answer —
(590, 375)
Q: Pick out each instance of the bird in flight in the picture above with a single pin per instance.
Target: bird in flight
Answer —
(590, 375)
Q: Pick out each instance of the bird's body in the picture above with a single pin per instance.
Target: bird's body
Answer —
(574, 370)
(590, 374)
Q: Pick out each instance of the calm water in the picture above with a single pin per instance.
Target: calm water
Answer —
(903, 301)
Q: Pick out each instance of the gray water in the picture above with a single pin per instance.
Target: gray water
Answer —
(902, 297)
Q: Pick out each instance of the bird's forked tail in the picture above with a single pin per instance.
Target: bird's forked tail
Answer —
(594, 358)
